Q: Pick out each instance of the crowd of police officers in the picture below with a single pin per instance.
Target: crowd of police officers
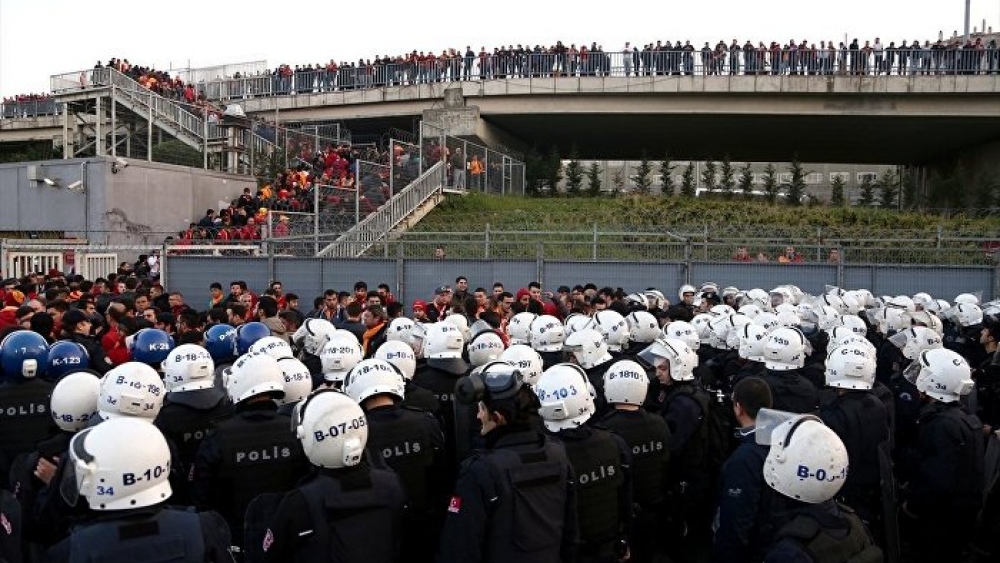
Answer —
(731, 426)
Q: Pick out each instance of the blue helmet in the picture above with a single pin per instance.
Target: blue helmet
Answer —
(249, 333)
(220, 341)
(23, 354)
(66, 357)
(151, 346)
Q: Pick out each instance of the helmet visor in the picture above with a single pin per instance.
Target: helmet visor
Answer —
(72, 481)
(767, 421)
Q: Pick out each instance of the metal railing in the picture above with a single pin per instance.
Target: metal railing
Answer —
(202, 74)
(670, 61)
(380, 223)
(17, 109)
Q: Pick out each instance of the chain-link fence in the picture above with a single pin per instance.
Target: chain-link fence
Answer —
(432, 139)
(404, 164)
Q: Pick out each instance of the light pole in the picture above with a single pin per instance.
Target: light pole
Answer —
(968, 16)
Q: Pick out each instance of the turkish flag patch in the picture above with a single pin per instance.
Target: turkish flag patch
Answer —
(455, 504)
(268, 540)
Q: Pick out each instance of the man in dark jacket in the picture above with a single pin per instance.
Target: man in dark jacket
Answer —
(76, 328)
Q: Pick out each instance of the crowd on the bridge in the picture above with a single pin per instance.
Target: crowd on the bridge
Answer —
(581, 424)
(28, 105)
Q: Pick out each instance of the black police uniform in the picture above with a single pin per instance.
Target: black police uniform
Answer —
(964, 341)
(648, 437)
(946, 481)
(25, 419)
(419, 398)
(439, 376)
(411, 443)
(514, 502)
(147, 535)
(742, 525)
(351, 514)
(791, 391)
(38, 530)
(860, 420)
(889, 359)
(550, 359)
(252, 452)
(596, 377)
(820, 533)
(744, 368)
(188, 416)
(601, 464)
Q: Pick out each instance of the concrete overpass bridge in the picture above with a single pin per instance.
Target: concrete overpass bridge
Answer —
(926, 120)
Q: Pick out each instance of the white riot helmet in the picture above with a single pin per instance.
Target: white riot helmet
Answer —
(789, 319)
(929, 320)
(681, 359)
(443, 340)
(642, 326)
(751, 310)
(637, 301)
(827, 317)
(577, 322)
(684, 331)
(941, 374)
(626, 383)
(519, 328)
(132, 389)
(332, 428)
(614, 328)
(462, 322)
(854, 324)
(891, 319)
(74, 400)
(339, 356)
(721, 311)
(546, 334)
(903, 302)
(837, 302)
(486, 347)
(272, 346)
(785, 308)
(752, 340)
(686, 288)
(767, 320)
(850, 367)
(255, 374)
(965, 314)
(399, 329)
(805, 444)
(374, 377)
(736, 324)
(188, 367)
(702, 327)
(938, 306)
(967, 299)
(915, 340)
(785, 350)
(760, 298)
(781, 295)
(298, 380)
(526, 360)
(589, 347)
(400, 355)
(313, 334)
(921, 300)
(720, 327)
(565, 401)
(852, 303)
(121, 464)
(656, 299)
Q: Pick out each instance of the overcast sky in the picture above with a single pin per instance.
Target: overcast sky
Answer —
(43, 37)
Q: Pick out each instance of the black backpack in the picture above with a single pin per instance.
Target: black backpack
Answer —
(718, 426)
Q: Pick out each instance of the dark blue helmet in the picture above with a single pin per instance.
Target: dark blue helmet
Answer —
(220, 341)
(249, 333)
(23, 354)
(151, 346)
(66, 357)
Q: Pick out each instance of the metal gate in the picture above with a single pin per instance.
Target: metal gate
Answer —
(20, 264)
(96, 265)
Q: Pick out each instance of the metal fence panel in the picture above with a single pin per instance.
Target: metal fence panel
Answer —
(943, 282)
(341, 275)
(629, 276)
(301, 276)
(811, 278)
(191, 275)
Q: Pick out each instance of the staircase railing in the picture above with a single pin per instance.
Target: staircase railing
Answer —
(373, 228)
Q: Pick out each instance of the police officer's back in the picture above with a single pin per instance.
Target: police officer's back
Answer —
(24, 397)
(253, 451)
(784, 355)
(648, 438)
(443, 347)
(193, 403)
(859, 418)
(945, 466)
(126, 488)
(514, 499)
(401, 355)
(601, 462)
(345, 510)
(410, 442)
(806, 466)
(590, 350)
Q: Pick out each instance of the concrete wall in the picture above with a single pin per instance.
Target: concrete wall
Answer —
(138, 205)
